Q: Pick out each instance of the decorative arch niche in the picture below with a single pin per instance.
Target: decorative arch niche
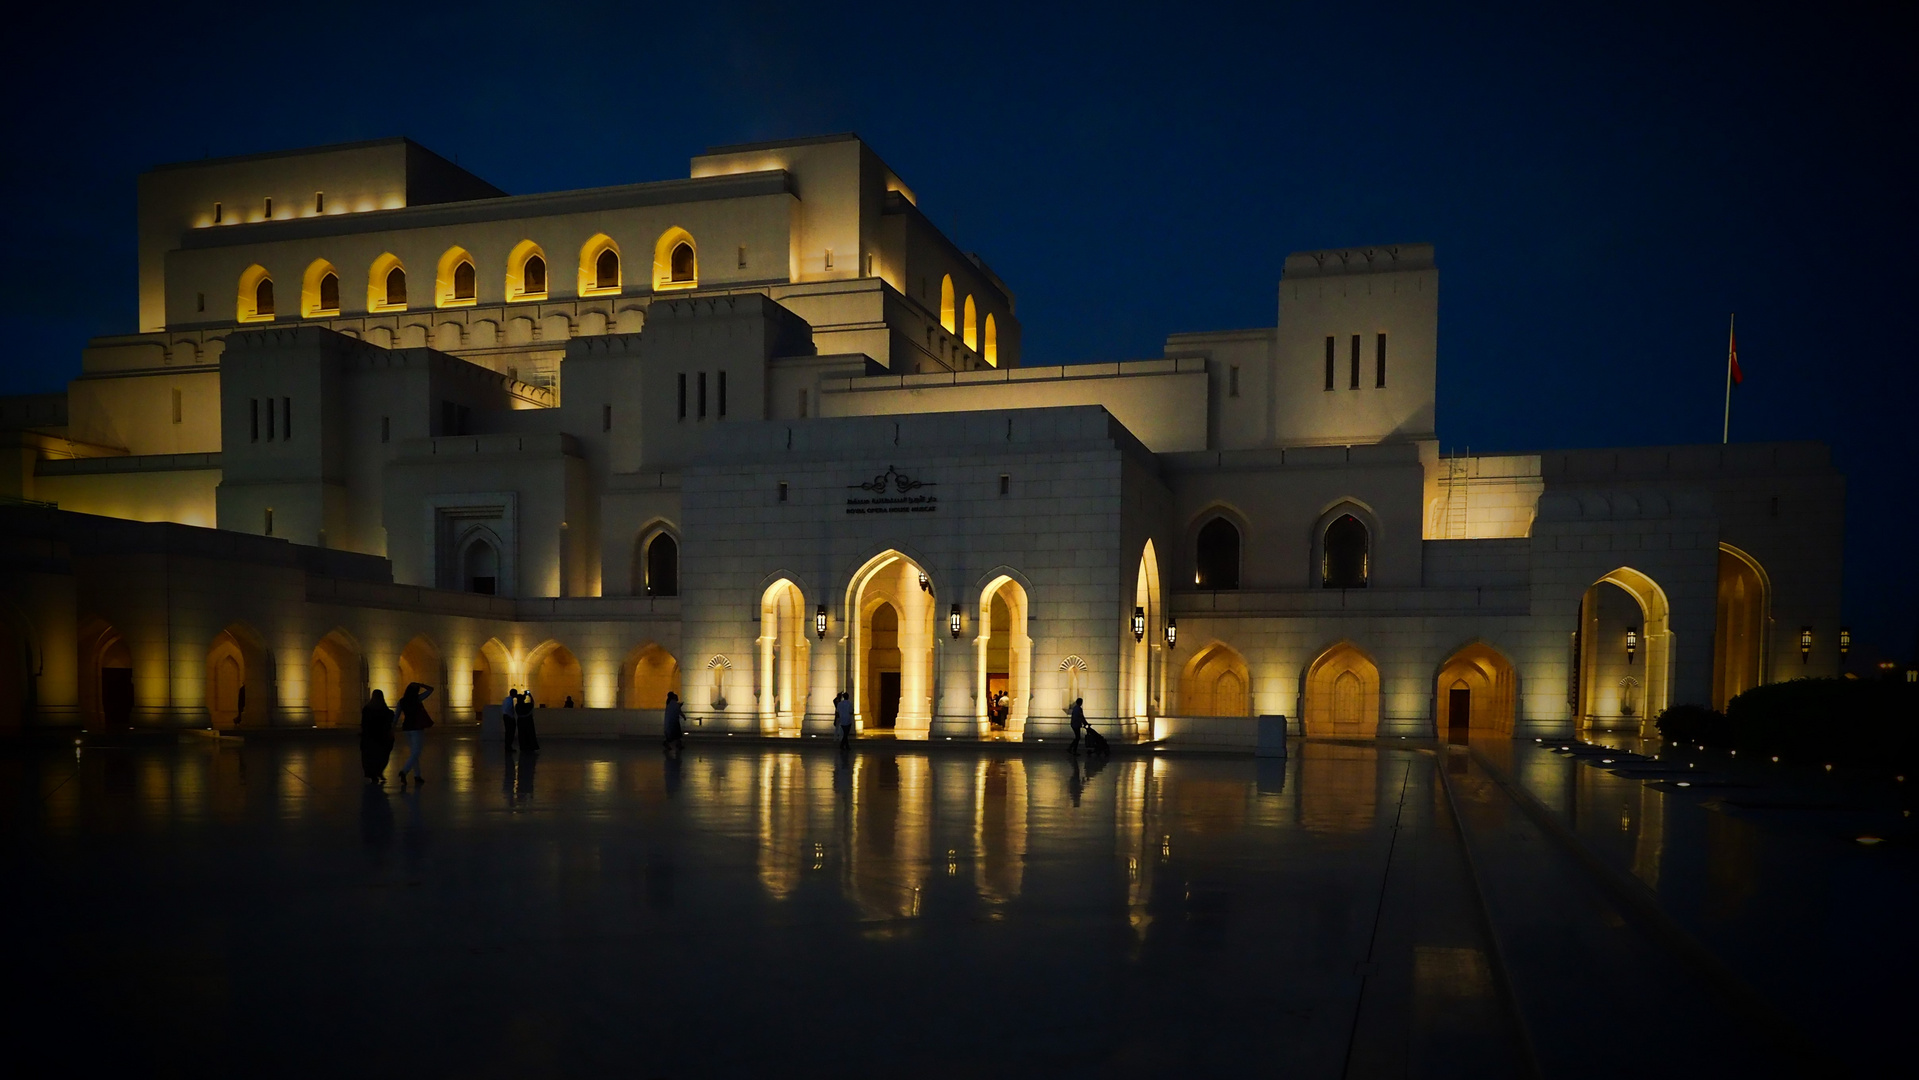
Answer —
(240, 680)
(990, 344)
(553, 674)
(320, 291)
(600, 270)
(649, 674)
(255, 301)
(386, 284)
(1342, 694)
(456, 279)
(336, 681)
(1216, 554)
(526, 272)
(676, 260)
(947, 316)
(1216, 683)
(1474, 693)
(969, 325)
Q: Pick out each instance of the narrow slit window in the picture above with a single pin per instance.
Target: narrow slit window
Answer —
(218, 211)
(176, 406)
(742, 256)
(269, 206)
(1330, 346)
(1355, 385)
(1005, 483)
(682, 395)
(702, 395)
(829, 258)
(267, 525)
(606, 418)
(386, 429)
(1379, 361)
(1232, 381)
(254, 404)
(319, 202)
(200, 304)
(782, 491)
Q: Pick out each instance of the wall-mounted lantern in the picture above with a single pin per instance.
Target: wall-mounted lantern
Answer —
(1845, 641)
(1632, 642)
(819, 622)
(1805, 644)
(1139, 624)
(1172, 633)
(926, 586)
(953, 620)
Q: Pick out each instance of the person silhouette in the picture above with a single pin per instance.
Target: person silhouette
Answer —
(1078, 722)
(674, 728)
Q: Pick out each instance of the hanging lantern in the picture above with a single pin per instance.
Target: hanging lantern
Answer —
(953, 620)
(1139, 624)
(1632, 642)
(819, 621)
(1172, 632)
(1805, 644)
(1845, 641)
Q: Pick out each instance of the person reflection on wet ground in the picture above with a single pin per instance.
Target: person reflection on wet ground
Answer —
(672, 773)
(1076, 783)
(527, 765)
(376, 823)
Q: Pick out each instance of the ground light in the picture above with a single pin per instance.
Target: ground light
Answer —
(1869, 840)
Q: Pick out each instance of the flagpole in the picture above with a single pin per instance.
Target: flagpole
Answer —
(1725, 433)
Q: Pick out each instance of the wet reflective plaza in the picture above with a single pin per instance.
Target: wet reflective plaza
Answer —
(900, 909)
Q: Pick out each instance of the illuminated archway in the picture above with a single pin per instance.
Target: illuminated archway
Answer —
(599, 266)
(526, 272)
(969, 324)
(492, 674)
(947, 316)
(255, 301)
(785, 656)
(650, 673)
(456, 279)
(386, 284)
(239, 678)
(990, 349)
(106, 677)
(421, 662)
(1216, 683)
(1342, 694)
(320, 291)
(553, 674)
(1474, 693)
(1743, 626)
(336, 681)
(1144, 696)
(676, 260)
(1005, 657)
(890, 642)
(1601, 638)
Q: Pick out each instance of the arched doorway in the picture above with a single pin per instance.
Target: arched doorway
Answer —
(1215, 683)
(891, 645)
(1624, 608)
(492, 675)
(651, 673)
(1146, 615)
(1475, 691)
(785, 658)
(1342, 694)
(336, 681)
(1742, 628)
(553, 674)
(1005, 657)
(420, 662)
(106, 678)
(239, 678)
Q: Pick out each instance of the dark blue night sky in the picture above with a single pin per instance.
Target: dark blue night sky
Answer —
(1604, 187)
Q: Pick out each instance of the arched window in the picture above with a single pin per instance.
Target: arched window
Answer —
(1345, 558)
(606, 270)
(1216, 556)
(463, 281)
(682, 262)
(263, 298)
(946, 303)
(533, 275)
(968, 328)
(990, 348)
(396, 287)
(663, 566)
(330, 291)
(482, 568)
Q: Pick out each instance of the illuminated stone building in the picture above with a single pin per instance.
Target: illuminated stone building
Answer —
(765, 434)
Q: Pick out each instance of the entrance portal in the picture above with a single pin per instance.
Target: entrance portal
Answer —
(1459, 712)
(887, 700)
(890, 606)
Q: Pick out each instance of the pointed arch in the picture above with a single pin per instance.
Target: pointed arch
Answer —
(456, 280)
(480, 562)
(320, 291)
(240, 683)
(106, 677)
(1602, 658)
(526, 272)
(1342, 693)
(1742, 627)
(492, 674)
(553, 674)
(255, 301)
(336, 680)
(969, 324)
(647, 676)
(676, 260)
(1005, 656)
(1146, 695)
(947, 317)
(890, 639)
(1475, 692)
(784, 657)
(422, 662)
(1216, 553)
(656, 561)
(600, 268)
(989, 347)
(1216, 682)
(386, 284)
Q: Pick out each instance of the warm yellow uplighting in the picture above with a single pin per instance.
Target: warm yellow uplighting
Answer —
(599, 266)
(676, 261)
(456, 282)
(989, 345)
(386, 284)
(526, 272)
(255, 302)
(320, 291)
(969, 332)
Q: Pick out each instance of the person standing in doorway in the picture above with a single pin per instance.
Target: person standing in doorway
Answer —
(843, 717)
(510, 717)
(675, 727)
(529, 739)
(1079, 724)
(376, 737)
(414, 721)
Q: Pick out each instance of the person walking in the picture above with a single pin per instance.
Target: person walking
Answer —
(675, 726)
(1079, 724)
(843, 717)
(510, 717)
(376, 737)
(529, 738)
(414, 721)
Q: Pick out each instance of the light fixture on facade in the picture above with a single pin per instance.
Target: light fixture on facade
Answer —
(1172, 632)
(1845, 640)
(953, 620)
(1805, 644)
(1139, 624)
(925, 584)
(1632, 642)
(819, 622)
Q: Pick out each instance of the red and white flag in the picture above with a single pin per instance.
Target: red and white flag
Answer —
(1732, 358)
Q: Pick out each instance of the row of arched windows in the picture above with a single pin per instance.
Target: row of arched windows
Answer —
(456, 281)
(1345, 555)
(982, 338)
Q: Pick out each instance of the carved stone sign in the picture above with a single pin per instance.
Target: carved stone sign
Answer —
(902, 501)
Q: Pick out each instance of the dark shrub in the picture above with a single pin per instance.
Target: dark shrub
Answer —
(1692, 724)
(1842, 721)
